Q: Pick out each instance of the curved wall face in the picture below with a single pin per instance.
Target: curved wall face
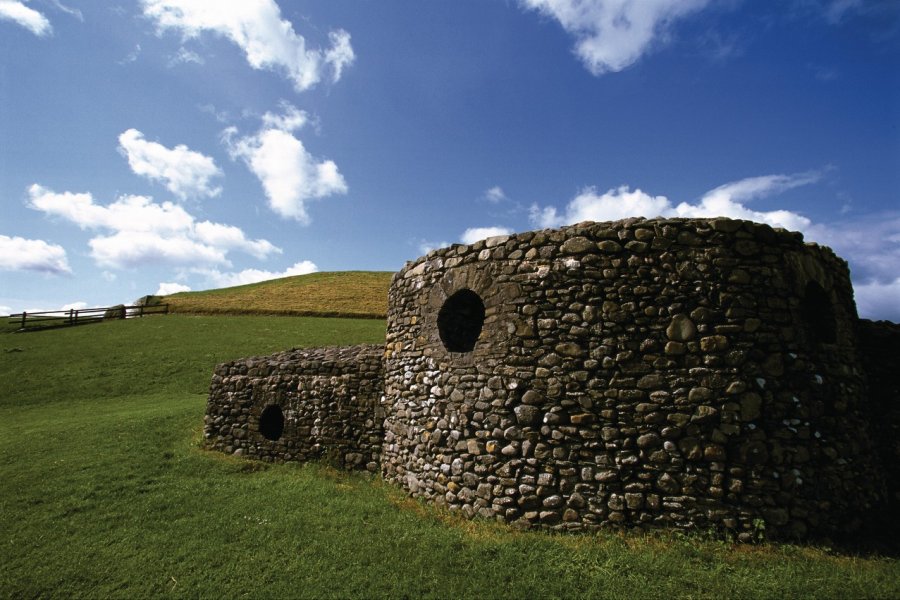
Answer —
(688, 373)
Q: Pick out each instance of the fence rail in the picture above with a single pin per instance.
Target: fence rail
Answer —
(82, 316)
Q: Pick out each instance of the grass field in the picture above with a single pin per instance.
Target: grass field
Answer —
(106, 493)
(361, 294)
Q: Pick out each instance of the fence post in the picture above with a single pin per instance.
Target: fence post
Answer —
(23, 319)
(141, 312)
(70, 316)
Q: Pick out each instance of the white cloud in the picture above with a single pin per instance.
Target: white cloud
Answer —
(879, 301)
(20, 254)
(68, 10)
(615, 204)
(268, 41)
(184, 172)
(171, 288)
(290, 175)
(426, 246)
(219, 279)
(127, 249)
(131, 56)
(474, 234)
(495, 195)
(5, 310)
(340, 54)
(727, 200)
(30, 19)
(185, 56)
(142, 231)
(230, 237)
(871, 244)
(724, 201)
(127, 213)
(612, 35)
(291, 119)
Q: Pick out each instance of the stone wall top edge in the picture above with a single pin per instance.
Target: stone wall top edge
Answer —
(889, 327)
(762, 232)
(324, 353)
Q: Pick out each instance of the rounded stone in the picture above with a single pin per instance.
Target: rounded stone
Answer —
(681, 329)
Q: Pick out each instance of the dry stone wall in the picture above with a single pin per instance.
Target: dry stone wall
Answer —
(682, 373)
(321, 403)
(687, 373)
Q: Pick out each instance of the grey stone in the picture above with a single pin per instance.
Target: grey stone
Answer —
(681, 329)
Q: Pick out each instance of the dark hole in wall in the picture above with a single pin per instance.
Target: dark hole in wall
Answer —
(460, 321)
(271, 422)
(818, 314)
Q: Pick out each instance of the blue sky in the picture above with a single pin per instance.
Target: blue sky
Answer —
(162, 145)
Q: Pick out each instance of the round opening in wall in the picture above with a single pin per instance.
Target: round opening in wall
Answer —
(460, 321)
(271, 422)
(818, 314)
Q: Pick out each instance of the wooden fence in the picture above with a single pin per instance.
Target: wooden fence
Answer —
(82, 316)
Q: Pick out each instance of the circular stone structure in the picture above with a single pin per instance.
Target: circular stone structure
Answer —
(669, 372)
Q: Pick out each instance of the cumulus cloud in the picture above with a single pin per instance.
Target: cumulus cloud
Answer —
(229, 237)
(5, 310)
(612, 35)
(219, 279)
(126, 249)
(171, 288)
(139, 230)
(474, 234)
(724, 201)
(618, 203)
(727, 200)
(290, 119)
(184, 172)
(30, 19)
(127, 213)
(289, 174)
(268, 41)
(20, 254)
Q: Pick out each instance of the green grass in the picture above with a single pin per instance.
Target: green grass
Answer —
(105, 492)
(359, 294)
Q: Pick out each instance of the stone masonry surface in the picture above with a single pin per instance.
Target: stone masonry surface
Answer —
(699, 373)
(327, 398)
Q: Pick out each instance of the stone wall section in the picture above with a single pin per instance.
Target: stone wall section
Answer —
(666, 372)
(879, 343)
(300, 405)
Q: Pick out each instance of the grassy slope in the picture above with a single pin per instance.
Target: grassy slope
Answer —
(105, 492)
(338, 294)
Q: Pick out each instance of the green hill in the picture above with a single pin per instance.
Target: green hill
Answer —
(361, 294)
(107, 493)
